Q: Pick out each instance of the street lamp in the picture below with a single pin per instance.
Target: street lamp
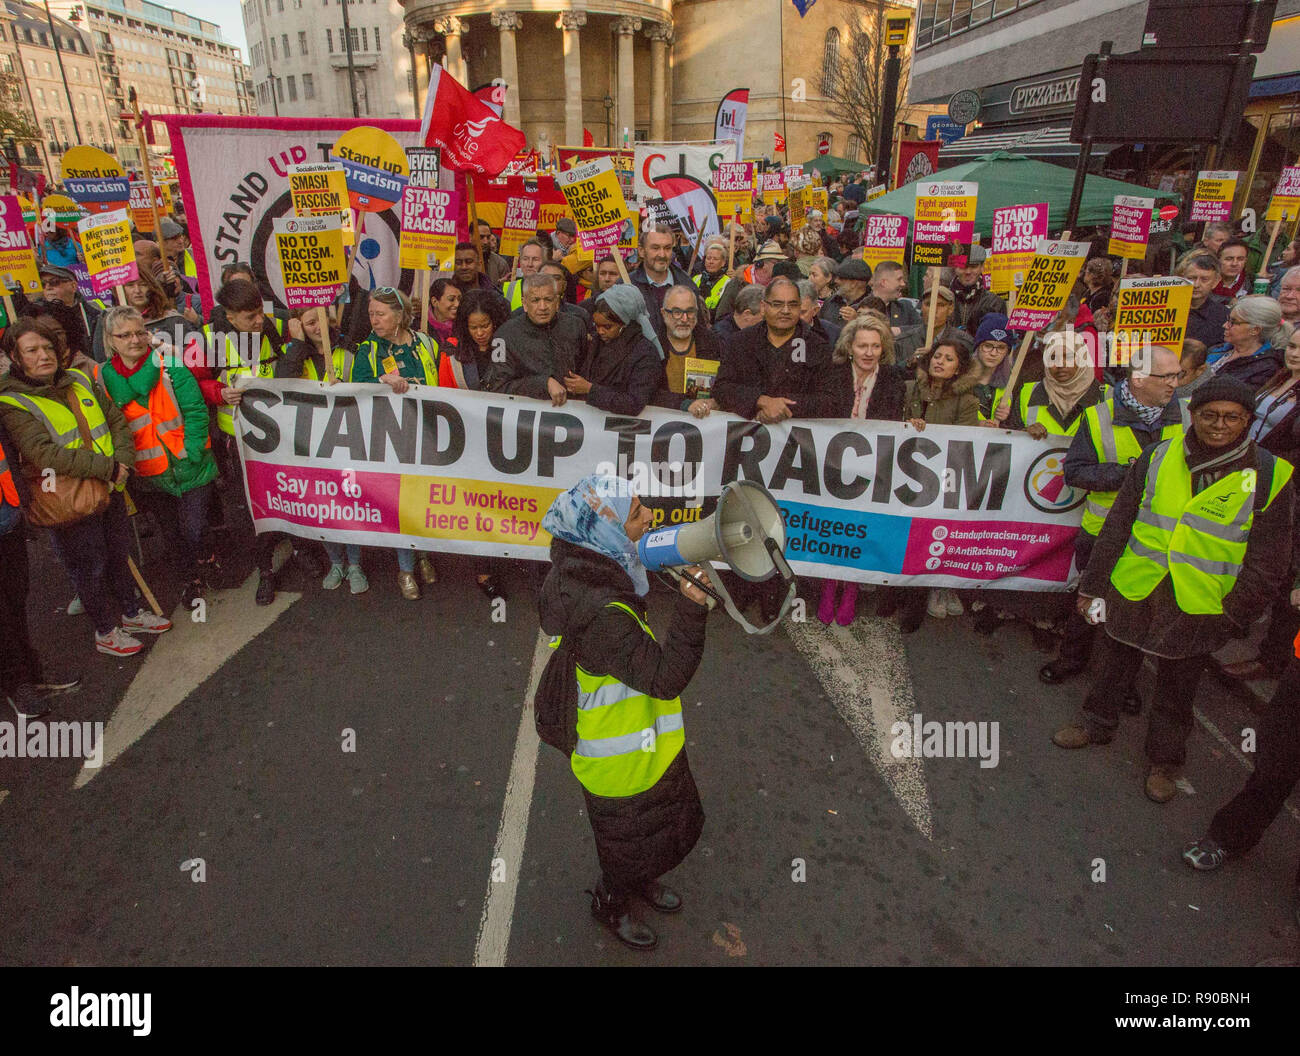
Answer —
(609, 120)
(74, 17)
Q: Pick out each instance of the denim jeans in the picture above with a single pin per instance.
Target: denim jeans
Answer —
(182, 521)
(405, 558)
(95, 552)
(337, 550)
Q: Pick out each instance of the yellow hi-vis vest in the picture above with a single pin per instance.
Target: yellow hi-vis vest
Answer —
(343, 360)
(426, 348)
(715, 294)
(61, 423)
(1039, 414)
(188, 268)
(997, 398)
(235, 366)
(626, 738)
(1199, 541)
(1115, 445)
(515, 296)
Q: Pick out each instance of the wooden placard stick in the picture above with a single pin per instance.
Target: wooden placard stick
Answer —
(144, 587)
(473, 223)
(1272, 240)
(326, 351)
(937, 275)
(1123, 269)
(731, 242)
(622, 268)
(148, 175)
(121, 294)
(1024, 350)
(696, 251)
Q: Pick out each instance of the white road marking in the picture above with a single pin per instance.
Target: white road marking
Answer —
(181, 660)
(864, 671)
(499, 904)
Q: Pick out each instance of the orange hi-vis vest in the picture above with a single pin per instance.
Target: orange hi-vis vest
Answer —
(8, 490)
(158, 428)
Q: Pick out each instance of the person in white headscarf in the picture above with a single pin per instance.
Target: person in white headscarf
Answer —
(622, 372)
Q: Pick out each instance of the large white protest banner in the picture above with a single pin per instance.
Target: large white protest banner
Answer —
(234, 178)
(474, 473)
(682, 175)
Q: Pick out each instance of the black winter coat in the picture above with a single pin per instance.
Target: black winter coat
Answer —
(536, 353)
(624, 373)
(752, 367)
(641, 837)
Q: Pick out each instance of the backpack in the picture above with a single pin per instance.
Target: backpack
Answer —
(555, 705)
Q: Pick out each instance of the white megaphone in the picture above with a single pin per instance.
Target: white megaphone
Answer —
(745, 532)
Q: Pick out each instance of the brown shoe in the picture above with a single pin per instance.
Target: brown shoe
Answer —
(1160, 786)
(409, 587)
(1073, 736)
(1246, 671)
(427, 572)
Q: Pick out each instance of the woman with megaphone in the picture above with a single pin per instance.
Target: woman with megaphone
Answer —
(628, 746)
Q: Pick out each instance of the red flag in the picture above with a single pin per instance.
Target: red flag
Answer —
(493, 96)
(472, 138)
(587, 139)
(780, 143)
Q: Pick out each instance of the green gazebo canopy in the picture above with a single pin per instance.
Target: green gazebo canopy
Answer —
(828, 164)
(1013, 179)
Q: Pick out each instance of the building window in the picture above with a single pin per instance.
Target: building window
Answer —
(354, 39)
(279, 89)
(293, 89)
(40, 97)
(273, 51)
(377, 47)
(284, 44)
(302, 42)
(365, 41)
(308, 86)
(329, 41)
(830, 59)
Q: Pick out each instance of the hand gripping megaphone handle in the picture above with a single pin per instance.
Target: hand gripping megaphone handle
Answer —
(711, 595)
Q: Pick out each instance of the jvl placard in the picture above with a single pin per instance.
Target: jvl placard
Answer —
(945, 222)
(1150, 312)
(110, 254)
(1130, 226)
(1285, 204)
(595, 199)
(17, 259)
(1052, 274)
(520, 223)
(1214, 194)
(321, 189)
(885, 238)
(312, 263)
(428, 229)
(733, 187)
(1017, 230)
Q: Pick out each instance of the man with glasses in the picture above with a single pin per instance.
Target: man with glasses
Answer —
(1139, 413)
(1188, 558)
(64, 303)
(688, 338)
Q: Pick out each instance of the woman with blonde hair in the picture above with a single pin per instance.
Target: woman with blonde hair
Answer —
(867, 344)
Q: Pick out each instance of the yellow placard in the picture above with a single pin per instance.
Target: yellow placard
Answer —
(1285, 204)
(455, 508)
(733, 187)
(595, 200)
(1052, 274)
(17, 256)
(321, 189)
(798, 208)
(108, 249)
(520, 224)
(1214, 194)
(1130, 227)
(312, 263)
(1150, 312)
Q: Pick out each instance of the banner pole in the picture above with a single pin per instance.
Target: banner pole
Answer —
(731, 239)
(1272, 240)
(473, 222)
(622, 268)
(324, 342)
(148, 178)
(121, 294)
(937, 274)
(1015, 374)
(696, 251)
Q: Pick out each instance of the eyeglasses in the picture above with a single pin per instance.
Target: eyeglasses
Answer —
(1233, 321)
(1212, 418)
(1174, 376)
(783, 306)
(681, 313)
(133, 335)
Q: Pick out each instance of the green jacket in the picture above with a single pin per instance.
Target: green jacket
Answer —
(38, 448)
(199, 467)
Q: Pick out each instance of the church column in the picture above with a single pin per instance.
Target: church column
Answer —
(625, 115)
(452, 29)
(571, 22)
(508, 23)
(661, 35)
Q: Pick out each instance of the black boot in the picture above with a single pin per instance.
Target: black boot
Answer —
(661, 897)
(616, 915)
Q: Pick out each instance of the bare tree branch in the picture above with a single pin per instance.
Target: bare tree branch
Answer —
(14, 119)
(854, 86)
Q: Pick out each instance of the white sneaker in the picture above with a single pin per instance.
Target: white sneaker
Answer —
(75, 608)
(333, 578)
(117, 643)
(953, 603)
(936, 606)
(357, 581)
(145, 622)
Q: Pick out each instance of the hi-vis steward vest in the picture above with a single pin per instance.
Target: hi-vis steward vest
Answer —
(515, 296)
(8, 489)
(157, 428)
(1115, 445)
(343, 360)
(235, 366)
(61, 423)
(188, 268)
(715, 294)
(436, 370)
(1038, 414)
(993, 406)
(1199, 541)
(626, 739)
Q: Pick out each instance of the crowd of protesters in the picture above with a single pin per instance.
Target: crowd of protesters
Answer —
(82, 400)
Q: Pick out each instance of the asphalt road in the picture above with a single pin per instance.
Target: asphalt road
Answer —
(446, 838)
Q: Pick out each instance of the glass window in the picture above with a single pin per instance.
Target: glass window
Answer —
(308, 86)
(329, 41)
(302, 42)
(1281, 148)
(293, 88)
(377, 47)
(830, 59)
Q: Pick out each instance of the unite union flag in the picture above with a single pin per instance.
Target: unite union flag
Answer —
(471, 136)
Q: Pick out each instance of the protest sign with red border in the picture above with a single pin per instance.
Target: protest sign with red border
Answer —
(1052, 274)
(885, 238)
(312, 263)
(945, 222)
(596, 201)
(428, 239)
(1017, 230)
(1130, 226)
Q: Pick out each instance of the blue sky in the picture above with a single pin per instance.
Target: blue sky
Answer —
(224, 13)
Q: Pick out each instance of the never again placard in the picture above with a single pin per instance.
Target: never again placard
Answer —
(1052, 274)
(312, 262)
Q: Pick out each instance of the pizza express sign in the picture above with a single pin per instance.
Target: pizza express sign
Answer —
(1044, 95)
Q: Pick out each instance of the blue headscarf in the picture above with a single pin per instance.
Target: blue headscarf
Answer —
(591, 514)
